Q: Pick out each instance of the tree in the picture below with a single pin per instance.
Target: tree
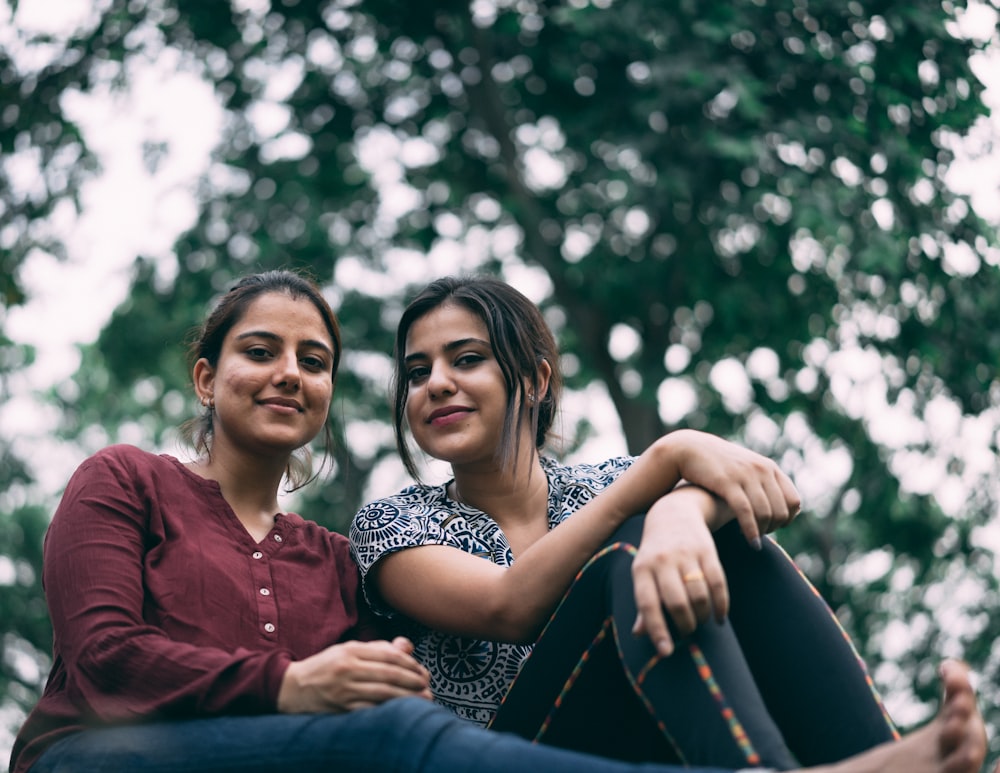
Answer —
(736, 217)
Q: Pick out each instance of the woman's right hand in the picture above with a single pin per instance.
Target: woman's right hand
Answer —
(353, 675)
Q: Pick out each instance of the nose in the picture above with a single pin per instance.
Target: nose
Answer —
(439, 381)
(287, 373)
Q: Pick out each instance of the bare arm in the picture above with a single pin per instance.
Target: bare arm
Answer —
(453, 591)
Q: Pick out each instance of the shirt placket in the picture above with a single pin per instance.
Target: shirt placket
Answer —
(263, 582)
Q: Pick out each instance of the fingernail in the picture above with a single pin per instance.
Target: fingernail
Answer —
(665, 648)
(755, 543)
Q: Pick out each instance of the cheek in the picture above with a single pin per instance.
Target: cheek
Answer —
(410, 409)
(321, 391)
(237, 381)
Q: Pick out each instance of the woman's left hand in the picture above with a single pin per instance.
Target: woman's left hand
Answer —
(757, 492)
(677, 568)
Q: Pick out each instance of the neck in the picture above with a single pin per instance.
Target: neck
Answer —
(507, 497)
(249, 484)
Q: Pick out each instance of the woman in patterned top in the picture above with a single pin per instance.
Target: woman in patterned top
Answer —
(753, 671)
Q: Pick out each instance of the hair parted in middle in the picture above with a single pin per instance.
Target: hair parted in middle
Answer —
(521, 341)
(207, 343)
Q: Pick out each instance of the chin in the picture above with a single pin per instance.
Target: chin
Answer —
(286, 444)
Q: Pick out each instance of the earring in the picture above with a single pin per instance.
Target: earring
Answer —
(531, 398)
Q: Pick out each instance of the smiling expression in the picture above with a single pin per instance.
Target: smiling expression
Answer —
(456, 396)
(273, 382)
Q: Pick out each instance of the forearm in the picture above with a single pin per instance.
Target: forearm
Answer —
(713, 509)
(465, 596)
(143, 674)
(544, 571)
(533, 585)
(530, 589)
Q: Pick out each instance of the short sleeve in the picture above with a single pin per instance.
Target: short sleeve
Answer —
(389, 525)
(572, 487)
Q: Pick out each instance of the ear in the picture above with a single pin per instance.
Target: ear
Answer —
(544, 374)
(203, 376)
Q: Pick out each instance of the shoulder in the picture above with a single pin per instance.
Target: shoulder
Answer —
(123, 461)
(122, 453)
(318, 539)
(122, 484)
(139, 475)
(408, 518)
(571, 486)
(413, 502)
(314, 533)
(599, 474)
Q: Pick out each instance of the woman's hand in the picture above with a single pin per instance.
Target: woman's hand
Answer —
(677, 568)
(353, 675)
(762, 498)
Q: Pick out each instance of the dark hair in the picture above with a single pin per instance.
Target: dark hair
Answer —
(521, 341)
(228, 311)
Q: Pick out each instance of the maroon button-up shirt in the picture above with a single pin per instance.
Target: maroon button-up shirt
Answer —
(164, 606)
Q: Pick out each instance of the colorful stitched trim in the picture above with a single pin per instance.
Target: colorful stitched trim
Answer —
(735, 727)
(629, 548)
(861, 663)
(636, 684)
(601, 634)
(577, 669)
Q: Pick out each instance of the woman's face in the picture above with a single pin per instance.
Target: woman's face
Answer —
(456, 396)
(273, 382)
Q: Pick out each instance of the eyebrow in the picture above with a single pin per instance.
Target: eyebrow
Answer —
(275, 337)
(448, 347)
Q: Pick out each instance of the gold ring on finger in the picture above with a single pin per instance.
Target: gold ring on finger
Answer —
(693, 576)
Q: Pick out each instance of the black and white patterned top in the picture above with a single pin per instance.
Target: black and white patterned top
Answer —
(468, 676)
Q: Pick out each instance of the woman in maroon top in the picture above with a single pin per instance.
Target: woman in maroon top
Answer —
(198, 628)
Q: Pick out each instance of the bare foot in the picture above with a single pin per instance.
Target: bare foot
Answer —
(953, 742)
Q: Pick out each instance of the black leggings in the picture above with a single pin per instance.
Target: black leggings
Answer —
(777, 685)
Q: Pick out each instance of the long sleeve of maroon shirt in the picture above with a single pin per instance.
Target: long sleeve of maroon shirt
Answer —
(164, 606)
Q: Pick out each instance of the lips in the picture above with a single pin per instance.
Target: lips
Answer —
(443, 413)
(283, 402)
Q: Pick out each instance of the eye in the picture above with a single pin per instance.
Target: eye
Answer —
(314, 362)
(258, 352)
(417, 373)
(468, 360)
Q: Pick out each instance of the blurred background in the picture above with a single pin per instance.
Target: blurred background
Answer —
(777, 222)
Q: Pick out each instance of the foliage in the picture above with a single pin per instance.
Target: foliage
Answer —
(749, 196)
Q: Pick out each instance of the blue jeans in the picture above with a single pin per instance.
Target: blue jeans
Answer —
(405, 735)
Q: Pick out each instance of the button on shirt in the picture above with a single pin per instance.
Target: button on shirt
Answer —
(162, 603)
